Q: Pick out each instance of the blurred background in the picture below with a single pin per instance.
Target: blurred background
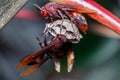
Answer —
(97, 56)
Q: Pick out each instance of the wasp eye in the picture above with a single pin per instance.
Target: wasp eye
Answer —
(44, 13)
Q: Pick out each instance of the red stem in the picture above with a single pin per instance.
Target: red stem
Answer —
(102, 15)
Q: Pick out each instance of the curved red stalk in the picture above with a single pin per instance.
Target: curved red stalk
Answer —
(105, 17)
(102, 15)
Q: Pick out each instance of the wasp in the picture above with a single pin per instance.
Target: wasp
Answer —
(56, 48)
(54, 10)
(64, 24)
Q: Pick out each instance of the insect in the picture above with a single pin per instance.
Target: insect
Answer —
(72, 34)
(55, 11)
(63, 28)
(56, 48)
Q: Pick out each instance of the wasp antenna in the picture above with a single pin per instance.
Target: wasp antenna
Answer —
(37, 6)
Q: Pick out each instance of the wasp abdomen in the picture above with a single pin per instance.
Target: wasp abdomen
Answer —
(80, 21)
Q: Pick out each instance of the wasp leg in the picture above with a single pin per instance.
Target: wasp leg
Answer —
(51, 16)
(40, 43)
(45, 40)
(70, 17)
(61, 18)
(46, 31)
(70, 60)
(46, 44)
(60, 14)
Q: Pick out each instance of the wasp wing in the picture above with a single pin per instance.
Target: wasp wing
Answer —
(57, 64)
(70, 8)
(30, 70)
(70, 60)
(36, 66)
(31, 58)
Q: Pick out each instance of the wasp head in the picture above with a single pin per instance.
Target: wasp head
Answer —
(43, 11)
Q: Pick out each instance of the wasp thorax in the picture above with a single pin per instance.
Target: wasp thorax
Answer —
(58, 43)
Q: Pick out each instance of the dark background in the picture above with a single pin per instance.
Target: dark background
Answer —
(96, 56)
